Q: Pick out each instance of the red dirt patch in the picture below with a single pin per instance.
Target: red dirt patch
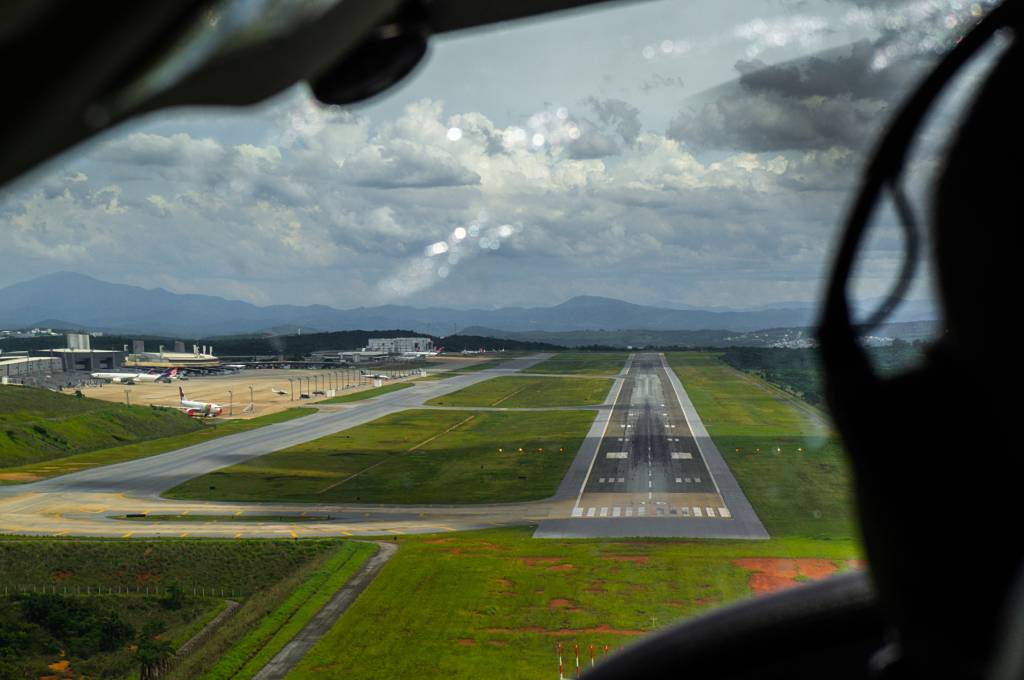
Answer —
(596, 587)
(635, 559)
(466, 642)
(440, 541)
(771, 574)
(603, 628)
(506, 582)
(560, 602)
(562, 567)
(59, 575)
(537, 561)
(498, 643)
(145, 577)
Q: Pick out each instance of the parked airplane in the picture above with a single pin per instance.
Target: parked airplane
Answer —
(278, 392)
(434, 353)
(474, 351)
(200, 409)
(376, 376)
(132, 378)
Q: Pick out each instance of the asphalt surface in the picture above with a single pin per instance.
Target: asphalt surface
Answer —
(89, 502)
(655, 472)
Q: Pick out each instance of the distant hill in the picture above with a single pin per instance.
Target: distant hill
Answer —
(86, 302)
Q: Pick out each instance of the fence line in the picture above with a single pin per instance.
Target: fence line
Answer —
(121, 589)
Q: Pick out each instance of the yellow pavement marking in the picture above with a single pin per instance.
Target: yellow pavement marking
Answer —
(128, 535)
(239, 513)
(294, 535)
(238, 535)
(183, 534)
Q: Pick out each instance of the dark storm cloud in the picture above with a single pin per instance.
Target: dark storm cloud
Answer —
(838, 98)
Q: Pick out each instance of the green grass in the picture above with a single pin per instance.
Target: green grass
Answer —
(120, 454)
(367, 394)
(257, 648)
(795, 493)
(39, 425)
(585, 363)
(414, 456)
(529, 391)
(487, 364)
(477, 604)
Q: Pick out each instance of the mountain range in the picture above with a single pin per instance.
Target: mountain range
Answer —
(71, 300)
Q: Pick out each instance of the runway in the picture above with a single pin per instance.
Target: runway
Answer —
(656, 472)
(86, 503)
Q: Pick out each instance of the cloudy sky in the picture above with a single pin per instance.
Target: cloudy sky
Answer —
(675, 153)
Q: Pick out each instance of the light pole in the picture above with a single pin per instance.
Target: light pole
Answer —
(291, 389)
(251, 400)
(231, 403)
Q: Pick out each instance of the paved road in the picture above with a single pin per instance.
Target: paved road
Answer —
(83, 503)
(290, 655)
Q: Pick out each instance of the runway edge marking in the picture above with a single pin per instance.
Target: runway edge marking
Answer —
(604, 431)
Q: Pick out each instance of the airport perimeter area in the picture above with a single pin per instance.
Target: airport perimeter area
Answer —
(646, 467)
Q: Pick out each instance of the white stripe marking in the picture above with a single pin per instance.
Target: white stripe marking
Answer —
(710, 512)
(591, 511)
(621, 455)
(604, 512)
(616, 511)
(724, 512)
(682, 455)
(696, 512)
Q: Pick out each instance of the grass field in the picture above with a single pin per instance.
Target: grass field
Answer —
(249, 571)
(367, 394)
(584, 363)
(760, 431)
(496, 603)
(119, 454)
(529, 391)
(38, 425)
(414, 456)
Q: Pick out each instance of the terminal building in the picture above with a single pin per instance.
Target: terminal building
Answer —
(80, 356)
(399, 345)
(199, 358)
